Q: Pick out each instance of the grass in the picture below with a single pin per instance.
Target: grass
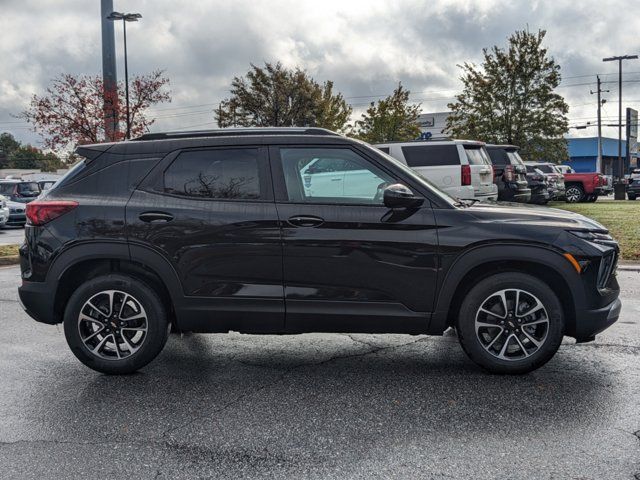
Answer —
(621, 217)
(8, 250)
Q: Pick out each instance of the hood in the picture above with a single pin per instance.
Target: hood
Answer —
(516, 213)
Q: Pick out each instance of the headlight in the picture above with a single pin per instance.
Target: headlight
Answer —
(595, 237)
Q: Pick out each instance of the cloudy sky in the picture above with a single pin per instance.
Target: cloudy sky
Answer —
(365, 47)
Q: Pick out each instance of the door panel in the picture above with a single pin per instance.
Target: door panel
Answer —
(362, 267)
(226, 251)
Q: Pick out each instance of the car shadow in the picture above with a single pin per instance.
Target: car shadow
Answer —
(266, 386)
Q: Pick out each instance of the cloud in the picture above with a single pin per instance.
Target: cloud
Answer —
(365, 47)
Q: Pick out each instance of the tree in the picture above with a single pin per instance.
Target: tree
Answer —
(8, 144)
(71, 112)
(27, 157)
(275, 96)
(511, 99)
(392, 119)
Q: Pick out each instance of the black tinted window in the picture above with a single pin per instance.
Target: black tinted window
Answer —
(223, 174)
(384, 149)
(498, 156)
(7, 188)
(431, 155)
(545, 168)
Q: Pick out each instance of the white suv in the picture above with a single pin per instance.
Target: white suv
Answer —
(461, 168)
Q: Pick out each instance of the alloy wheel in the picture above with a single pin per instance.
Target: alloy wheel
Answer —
(112, 324)
(573, 194)
(511, 324)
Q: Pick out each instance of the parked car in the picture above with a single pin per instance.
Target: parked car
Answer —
(510, 173)
(538, 185)
(633, 188)
(17, 214)
(460, 168)
(555, 179)
(586, 187)
(4, 211)
(19, 191)
(215, 231)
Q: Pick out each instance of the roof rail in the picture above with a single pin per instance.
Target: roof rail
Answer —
(230, 132)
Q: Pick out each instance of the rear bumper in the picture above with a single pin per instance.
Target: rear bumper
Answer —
(512, 193)
(37, 300)
(592, 322)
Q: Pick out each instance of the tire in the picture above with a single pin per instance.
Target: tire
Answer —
(140, 313)
(486, 345)
(574, 194)
(591, 198)
(631, 196)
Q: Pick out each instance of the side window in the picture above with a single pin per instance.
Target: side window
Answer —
(498, 156)
(431, 155)
(350, 180)
(217, 173)
(384, 149)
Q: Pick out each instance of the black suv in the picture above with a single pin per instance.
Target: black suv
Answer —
(218, 231)
(510, 173)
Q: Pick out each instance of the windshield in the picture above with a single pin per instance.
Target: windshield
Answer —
(416, 176)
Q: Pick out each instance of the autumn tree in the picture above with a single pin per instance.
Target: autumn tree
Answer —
(71, 112)
(511, 99)
(391, 119)
(26, 156)
(275, 96)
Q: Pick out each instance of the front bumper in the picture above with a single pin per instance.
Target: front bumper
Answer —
(595, 321)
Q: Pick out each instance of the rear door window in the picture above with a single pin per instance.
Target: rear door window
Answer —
(228, 174)
(431, 155)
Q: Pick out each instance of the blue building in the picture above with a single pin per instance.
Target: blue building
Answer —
(583, 154)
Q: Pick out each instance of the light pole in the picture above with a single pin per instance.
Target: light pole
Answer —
(125, 17)
(619, 189)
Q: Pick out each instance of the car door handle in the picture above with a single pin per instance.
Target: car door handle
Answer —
(336, 179)
(305, 221)
(155, 217)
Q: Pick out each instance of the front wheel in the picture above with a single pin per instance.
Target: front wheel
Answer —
(510, 323)
(631, 196)
(115, 324)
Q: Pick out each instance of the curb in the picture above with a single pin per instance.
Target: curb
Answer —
(13, 260)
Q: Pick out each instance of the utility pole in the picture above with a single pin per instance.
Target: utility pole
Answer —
(619, 187)
(109, 74)
(599, 166)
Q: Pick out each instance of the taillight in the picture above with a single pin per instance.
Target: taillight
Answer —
(509, 173)
(466, 175)
(597, 180)
(40, 212)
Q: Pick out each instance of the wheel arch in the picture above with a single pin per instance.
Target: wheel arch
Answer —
(89, 260)
(544, 263)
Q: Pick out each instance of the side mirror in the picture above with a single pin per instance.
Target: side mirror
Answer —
(400, 196)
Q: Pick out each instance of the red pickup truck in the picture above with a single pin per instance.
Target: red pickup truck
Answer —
(583, 187)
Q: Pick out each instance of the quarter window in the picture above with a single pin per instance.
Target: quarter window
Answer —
(219, 174)
(331, 175)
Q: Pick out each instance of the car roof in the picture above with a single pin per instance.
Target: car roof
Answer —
(161, 143)
(509, 148)
(432, 142)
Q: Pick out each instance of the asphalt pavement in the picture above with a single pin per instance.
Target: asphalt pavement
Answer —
(317, 406)
(11, 235)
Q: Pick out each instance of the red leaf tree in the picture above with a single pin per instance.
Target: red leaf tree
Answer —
(71, 112)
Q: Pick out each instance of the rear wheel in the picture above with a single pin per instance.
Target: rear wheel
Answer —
(510, 323)
(115, 324)
(574, 194)
(591, 198)
(631, 195)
